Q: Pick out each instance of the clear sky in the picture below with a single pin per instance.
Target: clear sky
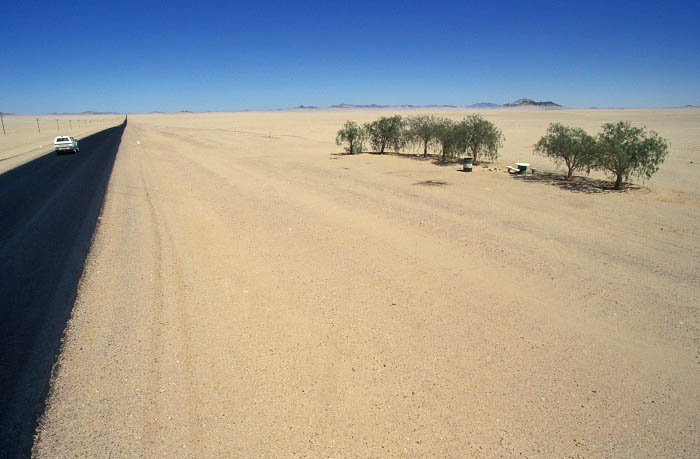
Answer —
(140, 56)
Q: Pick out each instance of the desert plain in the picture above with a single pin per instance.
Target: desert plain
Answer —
(251, 291)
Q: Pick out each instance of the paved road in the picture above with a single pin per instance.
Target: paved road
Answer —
(48, 213)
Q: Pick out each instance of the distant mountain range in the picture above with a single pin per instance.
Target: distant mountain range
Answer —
(484, 105)
(89, 112)
(389, 106)
(531, 103)
(358, 106)
(517, 103)
(523, 103)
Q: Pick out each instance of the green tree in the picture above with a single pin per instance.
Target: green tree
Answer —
(353, 134)
(421, 131)
(447, 136)
(479, 136)
(623, 150)
(386, 132)
(568, 145)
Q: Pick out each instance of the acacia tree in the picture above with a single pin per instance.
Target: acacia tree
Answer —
(386, 132)
(572, 146)
(623, 150)
(447, 136)
(421, 131)
(479, 136)
(353, 134)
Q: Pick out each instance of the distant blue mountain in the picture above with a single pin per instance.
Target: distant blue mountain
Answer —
(531, 103)
(484, 105)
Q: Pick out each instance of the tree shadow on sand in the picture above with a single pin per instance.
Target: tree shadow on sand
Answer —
(577, 184)
(420, 157)
(451, 161)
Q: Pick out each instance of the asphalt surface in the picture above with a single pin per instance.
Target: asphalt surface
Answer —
(49, 209)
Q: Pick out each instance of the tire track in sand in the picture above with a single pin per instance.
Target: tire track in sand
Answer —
(166, 248)
(191, 400)
(151, 431)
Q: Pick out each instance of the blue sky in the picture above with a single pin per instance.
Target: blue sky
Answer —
(139, 56)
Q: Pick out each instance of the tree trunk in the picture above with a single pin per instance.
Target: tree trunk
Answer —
(425, 149)
(352, 149)
(382, 149)
(618, 182)
(568, 176)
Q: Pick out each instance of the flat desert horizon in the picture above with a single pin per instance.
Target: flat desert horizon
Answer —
(252, 291)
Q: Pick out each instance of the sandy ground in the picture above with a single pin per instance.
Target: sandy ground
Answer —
(250, 292)
(24, 141)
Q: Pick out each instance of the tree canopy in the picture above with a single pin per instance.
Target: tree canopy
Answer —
(569, 145)
(386, 132)
(353, 134)
(623, 150)
(422, 131)
(447, 137)
(479, 137)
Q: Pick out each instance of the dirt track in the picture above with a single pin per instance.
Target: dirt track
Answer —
(250, 293)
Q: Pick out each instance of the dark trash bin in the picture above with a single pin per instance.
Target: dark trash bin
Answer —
(468, 164)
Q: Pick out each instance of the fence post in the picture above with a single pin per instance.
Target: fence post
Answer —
(2, 120)
(57, 128)
(37, 125)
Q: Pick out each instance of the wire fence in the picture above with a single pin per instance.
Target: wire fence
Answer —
(23, 134)
(26, 125)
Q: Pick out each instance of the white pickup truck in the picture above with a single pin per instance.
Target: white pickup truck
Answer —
(65, 143)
